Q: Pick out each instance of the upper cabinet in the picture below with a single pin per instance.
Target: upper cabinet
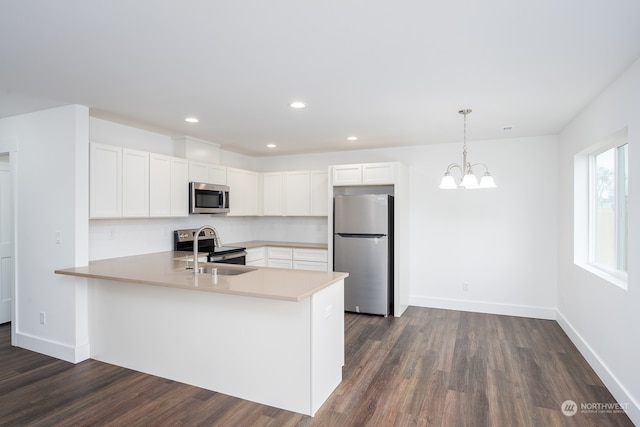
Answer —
(207, 172)
(243, 192)
(364, 174)
(135, 184)
(272, 193)
(168, 186)
(295, 193)
(319, 187)
(105, 181)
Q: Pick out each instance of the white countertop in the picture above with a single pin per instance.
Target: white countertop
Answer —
(168, 269)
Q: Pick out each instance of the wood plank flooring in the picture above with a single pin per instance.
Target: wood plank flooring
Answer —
(428, 368)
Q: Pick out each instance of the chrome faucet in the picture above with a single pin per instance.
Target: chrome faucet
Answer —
(216, 242)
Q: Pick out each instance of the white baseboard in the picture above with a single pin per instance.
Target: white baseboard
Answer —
(617, 389)
(52, 348)
(485, 307)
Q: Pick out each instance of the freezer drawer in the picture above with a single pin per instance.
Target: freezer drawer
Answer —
(366, 259)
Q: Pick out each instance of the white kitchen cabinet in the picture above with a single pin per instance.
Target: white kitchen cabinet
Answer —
(256, 257)
(135, 183)
(298, 258)
(168, 186)
(309, 265)
(217, 175)
(105, 181)
(319, 189)
(272, 193)
(198, 171)
(243, 192)
(280, 263)
(310, 259)
(364, 174)
(159, 185)
(179, 187)
(297, 193)
(347, 175)
(279, 257)
(207, 172)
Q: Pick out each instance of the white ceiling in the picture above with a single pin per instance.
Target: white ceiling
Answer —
(393, 73)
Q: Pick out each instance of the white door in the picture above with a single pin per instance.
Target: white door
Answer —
(6, 264)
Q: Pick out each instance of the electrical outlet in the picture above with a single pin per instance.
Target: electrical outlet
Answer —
(465, 286)
(43, 318)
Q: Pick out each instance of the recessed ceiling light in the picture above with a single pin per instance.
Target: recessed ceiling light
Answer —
(506, 128)
(297, 105)
(191, 120)
(352, 138)
(271, 145)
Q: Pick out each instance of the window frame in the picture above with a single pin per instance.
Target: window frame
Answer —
(620, 276)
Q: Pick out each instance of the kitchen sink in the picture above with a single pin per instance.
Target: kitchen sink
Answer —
(223, 271)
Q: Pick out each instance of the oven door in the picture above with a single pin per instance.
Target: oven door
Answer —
(208, 198)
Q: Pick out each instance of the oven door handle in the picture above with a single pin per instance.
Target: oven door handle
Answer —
(218, 258)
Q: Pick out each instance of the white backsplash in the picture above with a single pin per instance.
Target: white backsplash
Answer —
(111, 238)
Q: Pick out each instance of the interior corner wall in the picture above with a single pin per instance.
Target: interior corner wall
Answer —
(51, 200)
(600, 317)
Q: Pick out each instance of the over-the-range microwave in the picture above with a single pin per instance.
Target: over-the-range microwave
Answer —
(208, 198)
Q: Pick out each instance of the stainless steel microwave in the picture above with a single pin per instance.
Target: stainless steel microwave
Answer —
(208, 198)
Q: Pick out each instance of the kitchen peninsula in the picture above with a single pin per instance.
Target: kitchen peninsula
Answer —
(269, 335)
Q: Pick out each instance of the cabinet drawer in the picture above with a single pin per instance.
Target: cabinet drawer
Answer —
(317, 255)
(279, 253)
(279, 263)
(310, 265)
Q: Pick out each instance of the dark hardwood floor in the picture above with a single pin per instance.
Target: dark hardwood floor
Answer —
(428, 368)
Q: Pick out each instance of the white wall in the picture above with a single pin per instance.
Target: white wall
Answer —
(602, 318)
(51, 195)
(501, 241)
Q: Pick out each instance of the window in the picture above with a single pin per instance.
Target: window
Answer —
(608, 193)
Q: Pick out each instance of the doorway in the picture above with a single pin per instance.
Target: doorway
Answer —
(6, 239)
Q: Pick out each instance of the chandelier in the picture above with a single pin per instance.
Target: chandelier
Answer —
(468, 179)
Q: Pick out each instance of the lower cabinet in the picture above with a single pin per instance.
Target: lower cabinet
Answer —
(257, 257)
(285, 257)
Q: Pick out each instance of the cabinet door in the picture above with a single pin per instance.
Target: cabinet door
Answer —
(256, 257)
(319, 193)
(315, 255)
(135, 183)
(347, 175)
(217, 175)
(272, 193)
(179, 187)
(378, 173)
(198, 171)
(105, 181)
(235, 181)
(250, 193)
(159, 185)
(296, 197)
(280, 263)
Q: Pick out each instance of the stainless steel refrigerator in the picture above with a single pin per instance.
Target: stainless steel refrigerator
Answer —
(363, 247)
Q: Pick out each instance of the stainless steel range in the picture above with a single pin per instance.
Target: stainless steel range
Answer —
(183, 241)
